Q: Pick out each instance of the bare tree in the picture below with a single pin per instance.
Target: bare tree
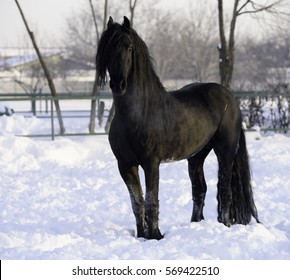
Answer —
(160, 44)
(45, 70)
(83, 34)
(132, 5)
(105, 16)
(183, 46)
(227, 45)
(260, 63)
(95, 19)
(95, 86)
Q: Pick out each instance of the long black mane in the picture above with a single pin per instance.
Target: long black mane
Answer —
(110, 37)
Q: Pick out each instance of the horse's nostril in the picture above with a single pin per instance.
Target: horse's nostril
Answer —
(123, 85)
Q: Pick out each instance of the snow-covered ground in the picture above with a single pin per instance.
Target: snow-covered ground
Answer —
(66, 200)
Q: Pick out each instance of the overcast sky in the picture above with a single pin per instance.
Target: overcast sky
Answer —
(47, 18)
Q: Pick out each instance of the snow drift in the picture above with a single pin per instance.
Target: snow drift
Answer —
(66, 200)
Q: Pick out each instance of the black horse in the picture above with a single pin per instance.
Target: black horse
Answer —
(151, 126)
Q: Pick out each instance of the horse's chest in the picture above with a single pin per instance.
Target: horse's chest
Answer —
(125, 144)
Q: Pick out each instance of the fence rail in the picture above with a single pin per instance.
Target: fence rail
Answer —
(49, 100)
(48, 96)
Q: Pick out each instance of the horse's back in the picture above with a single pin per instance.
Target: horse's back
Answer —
(201, 93)
(210, 99)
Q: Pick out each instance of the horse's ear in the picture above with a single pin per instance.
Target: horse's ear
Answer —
(126, 23)
(110, 22)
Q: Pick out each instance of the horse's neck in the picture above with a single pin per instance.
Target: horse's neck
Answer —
(144, 95)
(148, 86)
(149, 92)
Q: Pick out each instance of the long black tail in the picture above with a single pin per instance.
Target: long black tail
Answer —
(243, 206)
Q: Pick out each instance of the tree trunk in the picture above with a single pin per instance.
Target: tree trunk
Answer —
(101, 111)
(93, 107)
(95, 86)
(45, 70)
(226, 51)
(132, 4)
(95, 20)
(105, 14)
(110, 118)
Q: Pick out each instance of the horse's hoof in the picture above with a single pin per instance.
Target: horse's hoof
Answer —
(155, 235)
(224, 220)
(227, 224)
(196, 219)
(159, 237)
(142, 235)
(197, 214)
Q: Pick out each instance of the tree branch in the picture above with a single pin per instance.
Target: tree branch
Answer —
(132, 4)
(242, 7)
(95, 86)
(105, 14)
(95, 20)
(256, 8)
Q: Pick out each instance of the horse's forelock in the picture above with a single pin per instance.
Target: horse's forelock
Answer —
(108, 39)
(109, 46)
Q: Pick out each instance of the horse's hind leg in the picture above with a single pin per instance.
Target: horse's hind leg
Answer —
(224, 192)
(131, 178)
(196, 175)
(225, 151)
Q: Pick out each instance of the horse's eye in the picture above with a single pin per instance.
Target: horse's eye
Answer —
(130, 49)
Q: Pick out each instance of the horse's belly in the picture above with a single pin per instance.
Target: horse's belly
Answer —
(185, 149)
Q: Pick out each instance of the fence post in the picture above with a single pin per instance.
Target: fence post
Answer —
(52, 119)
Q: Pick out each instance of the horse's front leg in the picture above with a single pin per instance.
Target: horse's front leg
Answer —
(199, 188)
(131, 178)
(151, 170)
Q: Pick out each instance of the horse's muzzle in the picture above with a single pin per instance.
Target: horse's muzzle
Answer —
(118, 89)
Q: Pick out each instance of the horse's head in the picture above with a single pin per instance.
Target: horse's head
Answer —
(115, 55)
